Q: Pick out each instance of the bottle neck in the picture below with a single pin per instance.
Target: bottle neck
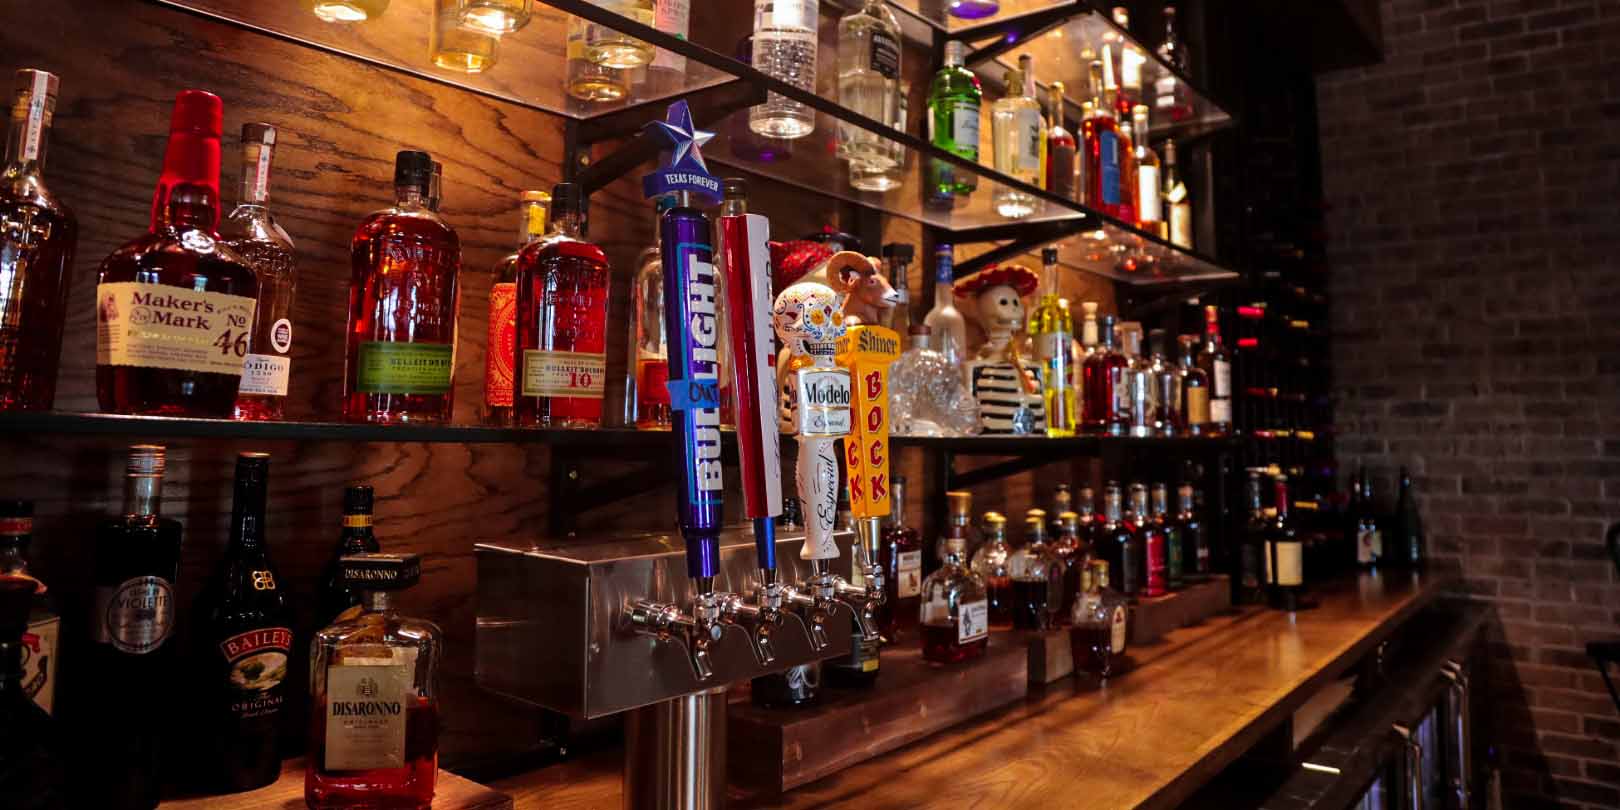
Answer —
(897, 504)
(566, 223)
(409, 197)
(734, 206)
(256, 173)
(1282, 501)
(27, 134)
(1161, 503)
(357, 534)
(1139, 504)
(944, 293)
(143, 494)
(1113, 508)
(188, 191)
(378, 601)
(247, 517)
(1049, 281)
(898, 278)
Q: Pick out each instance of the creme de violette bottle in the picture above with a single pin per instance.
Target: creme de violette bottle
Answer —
(253, 233)
(562, 291)
(500, 348)
(175, 306)
(37, 237)
(403, 302)
(374, 695)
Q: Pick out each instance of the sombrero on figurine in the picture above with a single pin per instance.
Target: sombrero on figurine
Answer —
(794, 259)
(1020, 278)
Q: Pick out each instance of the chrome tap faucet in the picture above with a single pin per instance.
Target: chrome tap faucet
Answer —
(866, 598)
(698, 630)
(815, 600)
(763, 616)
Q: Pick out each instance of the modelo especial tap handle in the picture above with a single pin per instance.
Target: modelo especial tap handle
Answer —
(808, 321)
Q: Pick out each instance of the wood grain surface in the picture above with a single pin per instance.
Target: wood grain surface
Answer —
(1190, 705)
(450, 792)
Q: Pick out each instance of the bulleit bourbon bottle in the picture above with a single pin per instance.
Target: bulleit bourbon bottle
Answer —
(374, 686)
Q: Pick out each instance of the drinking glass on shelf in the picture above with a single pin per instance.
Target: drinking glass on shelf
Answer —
(456, 47)
(609, 48)
(586, 80)
(495, 17)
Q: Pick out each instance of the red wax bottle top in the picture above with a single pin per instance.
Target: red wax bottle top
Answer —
(192, 155)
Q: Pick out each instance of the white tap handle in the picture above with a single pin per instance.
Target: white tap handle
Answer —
(818, 496)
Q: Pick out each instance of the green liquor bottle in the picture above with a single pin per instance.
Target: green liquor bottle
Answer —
(953, 122)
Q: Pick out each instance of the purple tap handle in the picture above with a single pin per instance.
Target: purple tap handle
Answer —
(693, 328)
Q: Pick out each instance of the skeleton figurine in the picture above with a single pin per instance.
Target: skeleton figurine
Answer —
(806, 319)
(1007, 390)
(815, 397)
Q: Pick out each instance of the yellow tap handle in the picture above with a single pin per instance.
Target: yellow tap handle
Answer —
(867, 352)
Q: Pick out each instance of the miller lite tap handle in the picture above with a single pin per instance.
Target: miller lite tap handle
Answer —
(807, 320)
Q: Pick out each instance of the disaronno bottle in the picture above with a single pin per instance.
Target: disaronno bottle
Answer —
(374, 693)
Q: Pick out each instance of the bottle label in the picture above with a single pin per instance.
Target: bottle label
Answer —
(1197, 406)
(1181, 225)
(1148, 207)
(908, 579)
(824, 396)
(39, 660)
(1220, 411)
(258, 665)
(356, 521)
(885, 55)
(797, 14)
(265, 375)
(365, 715)
(1165, 88)
(136, 616)
(1116, 630)
(1060, 170)
(973, 621)
(500, 351)
(1130, 70)
(1156, 562)
(1027, 129)
(260, 161)
(1221, 380)
(1290, 563)
(578, 375)
(158, 326)
(1108, 148)
(387, 367)
(1369, 545)
(965, 129)
(38, 116)
(671, 17)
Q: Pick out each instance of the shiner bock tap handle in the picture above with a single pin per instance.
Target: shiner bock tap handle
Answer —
(867, 352)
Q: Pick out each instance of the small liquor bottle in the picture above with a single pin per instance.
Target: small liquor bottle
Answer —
(1194, 384)
(562, 293)
(1217, 367)
(1284, 554)
(1175, 561)
(1104, 373)
(37, 237)
(500, 349)
(1248, 585)
(785, 49)
(901, 558)
(374, 690)
(955, 611)
(1148, 549)
(137, 560)
(337, 601)
(1178, 217)
(1363, 523)
(948, 327)
(44, 625)
(403, 303)
(990, 566)
(1410, 548)
(245, 637)
(1017, 133)
(154, 354)
(1053, 332)
(252, 232)
(953, 122)
(1102, 153)
(1194, 539)
(1036, 572)
(1073, 552)
(647, 378)
(1061, 149)
(1117, 542)
(1101, 618)
(1149, 202)
(33, 750)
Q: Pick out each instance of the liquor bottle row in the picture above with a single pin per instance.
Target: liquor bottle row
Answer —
(372, 672)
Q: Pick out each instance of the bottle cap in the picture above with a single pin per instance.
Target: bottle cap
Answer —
(566, 198)
(959, 503)
(259, 133)
(381, 572)
(1049, 255)
(899, 251)
(1037, 513)
(252, 467)
(733, 187)
(1069, 520)
(35, 82)
(146, 460)
(535, 197)
(357, 500)
(197, 112)
(413, 168)
(955, 52)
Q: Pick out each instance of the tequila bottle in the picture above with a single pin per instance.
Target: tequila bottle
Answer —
(1017, 133)
(785, 49)
(953, 122)
(1052, 333)
(868, 81)
(945, 321)
(954, 614)
(562, 289)
(500, 349)
(253, 233)
(374, 693)
(990, 565)
(37, 237)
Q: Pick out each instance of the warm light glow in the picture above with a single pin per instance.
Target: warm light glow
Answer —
(465, 62)
(489, 21)
(335, 11)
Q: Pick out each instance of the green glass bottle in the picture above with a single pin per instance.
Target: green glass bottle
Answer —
(953, 122)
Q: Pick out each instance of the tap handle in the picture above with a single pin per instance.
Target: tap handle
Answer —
(818, 493)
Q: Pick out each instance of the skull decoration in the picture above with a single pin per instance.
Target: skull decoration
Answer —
(1008, 391)
(807, 318)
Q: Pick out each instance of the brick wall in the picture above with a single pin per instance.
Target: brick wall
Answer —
(1474, 186)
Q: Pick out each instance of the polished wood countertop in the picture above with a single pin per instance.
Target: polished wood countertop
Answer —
(1193, 703)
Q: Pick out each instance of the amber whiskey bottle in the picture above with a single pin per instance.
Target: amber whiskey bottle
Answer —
(374, 688)
(403, 301)
(562, 289)
(175, 307)
(901, 558)
(37, 237)
(244, 649)
(954, 615)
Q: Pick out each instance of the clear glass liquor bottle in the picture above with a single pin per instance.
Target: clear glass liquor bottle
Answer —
(890, 175)
(607, 47)
(1017, 133)
(244, 644)
(254, 234)
(1061, 147)
(1101, 618)
(1177, 201)
(1149, 200)
(177, 364)
(403, 303)
(1217, 367)
(1052, 333)
(785, 49)
(954, 98)
(954, 614)
(1036, 571)
(1165, 394)
(336, 600)
(562, 291)
(868, 80)
(37, 237)
(990, 564)
(374, 689)
(500, 346)
(945, 321)
(647, 374)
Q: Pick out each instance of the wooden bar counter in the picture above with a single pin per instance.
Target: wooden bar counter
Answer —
(1191, 704)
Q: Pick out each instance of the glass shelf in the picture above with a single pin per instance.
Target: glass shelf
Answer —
(937, 13)
(1127, 255)
(529, 68)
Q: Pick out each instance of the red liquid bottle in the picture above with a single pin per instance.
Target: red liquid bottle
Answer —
(175, 307)
(1150, 544)
(37, 236)
(562, 323)
(500, 347)
(403, 300)
(1101, 375)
